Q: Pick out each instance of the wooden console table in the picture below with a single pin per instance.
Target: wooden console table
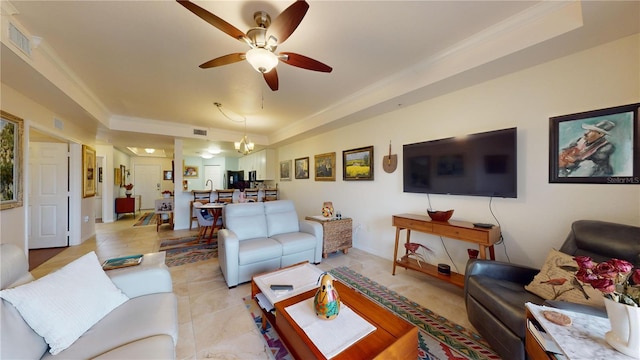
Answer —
(127, 205)
(458, 230)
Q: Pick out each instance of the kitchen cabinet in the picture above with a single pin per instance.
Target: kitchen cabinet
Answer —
(263, 162)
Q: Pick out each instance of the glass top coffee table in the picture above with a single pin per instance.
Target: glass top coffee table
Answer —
(393, 337)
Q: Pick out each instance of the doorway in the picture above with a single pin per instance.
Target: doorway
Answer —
(146, 183)
(48, 195)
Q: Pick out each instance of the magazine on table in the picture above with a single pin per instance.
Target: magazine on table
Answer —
(120, 262)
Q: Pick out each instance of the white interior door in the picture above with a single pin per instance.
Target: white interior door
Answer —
(146, 183)
(213, 173)
(48, 195)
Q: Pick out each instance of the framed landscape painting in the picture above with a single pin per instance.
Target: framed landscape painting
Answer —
(357, 164)
(88, 171)
(325, 167)
(302, 168)
(595, 147)
(11, 139)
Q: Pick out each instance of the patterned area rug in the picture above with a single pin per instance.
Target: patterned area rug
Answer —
(438, 338)
(148, 218)
(187, 250)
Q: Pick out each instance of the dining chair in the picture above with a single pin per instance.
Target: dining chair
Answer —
(205, 223)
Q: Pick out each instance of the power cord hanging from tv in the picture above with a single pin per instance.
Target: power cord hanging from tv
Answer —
(501, 241)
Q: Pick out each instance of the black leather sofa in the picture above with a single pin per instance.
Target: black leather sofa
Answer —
(495, 295)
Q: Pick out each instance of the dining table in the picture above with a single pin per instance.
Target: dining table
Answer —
(215, 209)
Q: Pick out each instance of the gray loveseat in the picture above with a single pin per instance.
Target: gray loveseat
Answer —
(143, 327)
(495, 294)
(264, 236)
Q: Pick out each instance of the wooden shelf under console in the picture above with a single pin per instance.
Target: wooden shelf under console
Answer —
(458, 230)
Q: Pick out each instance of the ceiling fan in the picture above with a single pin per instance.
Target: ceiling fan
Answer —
(263, 40)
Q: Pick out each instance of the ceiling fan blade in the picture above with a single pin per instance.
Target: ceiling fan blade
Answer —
(213, 20)
(287, 22)
(223, 60)
(271, 78)
(304, 62)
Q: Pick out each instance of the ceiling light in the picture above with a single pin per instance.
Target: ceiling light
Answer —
(261, 59)
(149, 150)
(214, 151)
(206, 155)
(244, 146)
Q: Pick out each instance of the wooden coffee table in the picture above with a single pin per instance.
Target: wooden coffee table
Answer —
(394, 338)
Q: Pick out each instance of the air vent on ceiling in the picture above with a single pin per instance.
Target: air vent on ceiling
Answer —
(199, 132)
(58, 124)
(19, 39)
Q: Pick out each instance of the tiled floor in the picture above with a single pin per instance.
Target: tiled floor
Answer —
(213, 320)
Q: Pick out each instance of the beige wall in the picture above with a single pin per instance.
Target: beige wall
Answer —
(13, 221)
(539, 218)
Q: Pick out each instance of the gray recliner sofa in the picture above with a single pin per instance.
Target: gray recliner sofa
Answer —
(143, 327)
(264, 236)
(494, 291)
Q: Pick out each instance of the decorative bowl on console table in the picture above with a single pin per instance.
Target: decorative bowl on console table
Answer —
(440, 215)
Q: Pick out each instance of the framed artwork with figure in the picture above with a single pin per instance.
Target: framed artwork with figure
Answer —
(302, 168)
(325, 167)
(285, 170)
(595, 147)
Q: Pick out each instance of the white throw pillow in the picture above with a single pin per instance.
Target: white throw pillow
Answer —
(63, 305)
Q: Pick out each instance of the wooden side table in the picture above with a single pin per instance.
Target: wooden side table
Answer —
(336, 234)
(164, 206)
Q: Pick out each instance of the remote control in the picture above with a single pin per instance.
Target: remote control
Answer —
(275, 287)
(483, 225)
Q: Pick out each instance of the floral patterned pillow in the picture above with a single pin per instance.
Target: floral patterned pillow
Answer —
(557, 281)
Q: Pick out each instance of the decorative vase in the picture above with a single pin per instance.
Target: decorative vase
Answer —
(128, 193)
(473, 253)
(327, 301)
(625, 328)
(166, 195)
(327, 209)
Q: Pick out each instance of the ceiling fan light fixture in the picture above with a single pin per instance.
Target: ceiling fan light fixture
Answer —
(261, 59)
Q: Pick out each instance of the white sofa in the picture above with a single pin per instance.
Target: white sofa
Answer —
(264, 236)
(143, 327)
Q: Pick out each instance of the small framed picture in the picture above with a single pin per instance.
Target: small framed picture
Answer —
(325, 167)
(357, 164)
(285, 170)
(595, 147)
(302, 168)
(88, 171)
(123, 175)
(167, 175)
(190, 171)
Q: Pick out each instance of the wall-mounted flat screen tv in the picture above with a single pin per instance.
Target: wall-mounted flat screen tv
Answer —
(483, 164)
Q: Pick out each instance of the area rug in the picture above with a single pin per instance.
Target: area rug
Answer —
(187, 250)
(438, 338)
(148, 218)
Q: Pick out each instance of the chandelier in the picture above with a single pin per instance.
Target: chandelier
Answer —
(244, 146)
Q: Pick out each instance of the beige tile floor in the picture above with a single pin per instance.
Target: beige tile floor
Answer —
(214, 323)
